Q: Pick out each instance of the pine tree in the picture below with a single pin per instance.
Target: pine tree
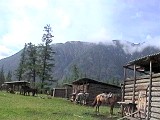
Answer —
(9, 76)
(46, 56)
(31, 63)
(20, 70)
(75, 72)
(2, 78)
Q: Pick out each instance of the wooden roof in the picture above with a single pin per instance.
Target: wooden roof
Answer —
(17, 82)
(88, 80)
(144, 63)
(66, 84)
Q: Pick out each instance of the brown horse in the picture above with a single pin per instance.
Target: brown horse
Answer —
(110, 99)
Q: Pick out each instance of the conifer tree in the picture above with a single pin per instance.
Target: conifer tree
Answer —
(2, 78)
(9, 76)
(75, 72)
(31, 63)
(46, 61)
(21, 68)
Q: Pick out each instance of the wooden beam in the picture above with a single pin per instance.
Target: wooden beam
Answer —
(134, 85)
(136, 70)
(150, 90)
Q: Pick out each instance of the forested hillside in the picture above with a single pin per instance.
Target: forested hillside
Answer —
(102, 62)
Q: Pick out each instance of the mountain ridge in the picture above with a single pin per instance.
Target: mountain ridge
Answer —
(97, 61)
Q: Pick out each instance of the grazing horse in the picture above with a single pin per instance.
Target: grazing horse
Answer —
(110, 99)
(81, 98)
(26, 89)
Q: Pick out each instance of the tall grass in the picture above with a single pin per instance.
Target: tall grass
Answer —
(19, 107)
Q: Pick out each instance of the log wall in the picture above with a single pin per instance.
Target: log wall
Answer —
(141, 87)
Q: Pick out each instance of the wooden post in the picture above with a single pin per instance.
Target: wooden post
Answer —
(123, 91)
(66, 92)
(134, 85)
(123, 86)
(83, 86)
(150, 90)
(53, 92)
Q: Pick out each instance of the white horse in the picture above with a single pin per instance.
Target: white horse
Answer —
(81, 98)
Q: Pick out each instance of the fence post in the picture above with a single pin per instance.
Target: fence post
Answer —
(150, 90)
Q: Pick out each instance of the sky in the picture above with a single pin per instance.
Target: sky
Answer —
(22, 21)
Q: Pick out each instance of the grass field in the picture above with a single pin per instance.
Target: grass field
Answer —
(19, 107)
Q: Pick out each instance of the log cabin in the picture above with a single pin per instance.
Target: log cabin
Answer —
(94, 88)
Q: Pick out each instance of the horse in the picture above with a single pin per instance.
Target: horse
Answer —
(26, 89)
(4, 87)
(81, 98)
(73, 97)
(110, 99)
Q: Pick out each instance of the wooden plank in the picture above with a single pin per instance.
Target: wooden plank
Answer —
(141, 87)
(155, 115)
(132, 118)
(156, 84)
(156, 88)
(129, 86)
(155, 99)
(129, 82)
(142, 84)
(155, 110)
(152, 118)
(131, 93)
(128, 97)
(155, 103)
(128, 101)
(156, 79)
(157, 75)
(142, 81)
(155, 94)
(128, 89)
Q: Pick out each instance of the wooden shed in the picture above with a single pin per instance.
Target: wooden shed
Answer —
(94, 88)
(14, 85)
(141, 88)
(59, 92)
(68, 91)
(64, 92)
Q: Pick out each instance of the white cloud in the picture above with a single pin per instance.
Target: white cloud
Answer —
(153, 41)
(5, 52)
(63, 17)
(102, 35)
(22, 21)
(21, 24)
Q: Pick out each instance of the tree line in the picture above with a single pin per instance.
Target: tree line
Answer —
(36, 62)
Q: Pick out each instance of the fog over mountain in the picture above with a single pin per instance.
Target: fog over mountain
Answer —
(98, 61)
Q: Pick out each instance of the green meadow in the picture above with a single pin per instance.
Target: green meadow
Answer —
(19, 107)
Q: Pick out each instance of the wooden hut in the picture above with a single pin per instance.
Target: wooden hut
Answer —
(93, 87)
(68, 91)
(14, 85)
(141, 88)
(64, 92)
(59, 92)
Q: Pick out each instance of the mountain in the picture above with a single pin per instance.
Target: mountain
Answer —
(98, 61)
